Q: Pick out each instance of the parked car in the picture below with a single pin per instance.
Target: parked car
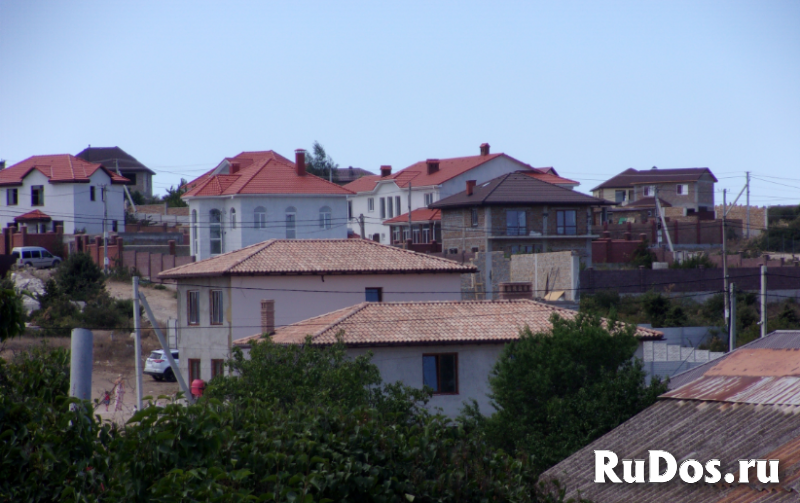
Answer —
(158, 366)
(34, 256)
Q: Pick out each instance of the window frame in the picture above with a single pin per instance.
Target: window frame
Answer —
(377, 289)
(620, 196)
(325, 218)
(389, 207)
(233, 218)
(14, 191)
(91, 193)
(399, 205)
(561, 225)
(213, 309)
(217, 367)
(196, 295)
(291, 218)
(195, 238)
(383, 208)
(438, 356)
(192, 373)
(428, 199)
(521, 230)
(370, 204)
(211, 226)
(682, 192)
(350, 209)
(474, 217)
(37, 192)
(259, 217)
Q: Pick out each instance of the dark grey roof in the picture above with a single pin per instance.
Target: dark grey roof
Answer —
(110, 156)
(779, 339)
(347, 175)
(631, 177)
(518, 188)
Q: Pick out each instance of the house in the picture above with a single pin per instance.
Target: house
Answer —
(230, 296)
(690, 189)
(425, 230)
(450, 346)
(382, 197)
(140, 177)
(743, 406)
(350, 174)
(517, 213)
(256, 196)
(550, 175)
(46, 191)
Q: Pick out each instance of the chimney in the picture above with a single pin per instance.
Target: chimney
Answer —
(267, 316)
(235, 166)
(433, 165)
(484, 149)
(470, 186)
(300, 161)
(386, 171)
(512, 291)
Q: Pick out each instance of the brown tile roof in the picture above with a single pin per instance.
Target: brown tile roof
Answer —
(60, 168)
(111, 157)
(33, 216)
(518, 188)
(631, 177)
(317, 256)
(418, 215)
(433, 322)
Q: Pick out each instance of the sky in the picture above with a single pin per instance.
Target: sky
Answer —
(590, 88)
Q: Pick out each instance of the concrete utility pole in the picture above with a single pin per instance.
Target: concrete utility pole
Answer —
(725, 261)
(732, 336)
(105, 230)
(137, 328)
(763, 300)
(410, 233)
(361, 224)
(747, 233)
(664, 228)
(80, 364)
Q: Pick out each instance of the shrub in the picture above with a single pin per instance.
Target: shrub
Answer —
(79, 277)
(695, 262)
(642, 256)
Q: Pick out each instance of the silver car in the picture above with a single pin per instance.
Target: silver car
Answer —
(34, 256)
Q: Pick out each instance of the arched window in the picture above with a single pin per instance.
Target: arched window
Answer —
(215, 231)
(260, 218)
(233, 218)
(291, 223)
(195, 238)
(324, 218)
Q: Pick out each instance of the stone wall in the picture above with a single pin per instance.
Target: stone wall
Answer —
(547, 272)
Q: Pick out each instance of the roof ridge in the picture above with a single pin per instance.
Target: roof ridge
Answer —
(411, 252)
(357, 308)
(262, 246)
(499, 182)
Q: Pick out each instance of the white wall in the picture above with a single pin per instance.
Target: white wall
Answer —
(310, 296)
(245, 233)
(68, 202)
(475, 362)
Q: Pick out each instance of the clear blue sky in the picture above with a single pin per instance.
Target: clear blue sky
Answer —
(590, 88)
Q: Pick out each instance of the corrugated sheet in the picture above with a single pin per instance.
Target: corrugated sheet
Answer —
(741, 389)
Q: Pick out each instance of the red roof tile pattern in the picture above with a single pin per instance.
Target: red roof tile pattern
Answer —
(418, 215)
(631, 177)
(432, 322)
(317, 256)
(60, 168)
(365, 183)
(33, 216)
(261, 173)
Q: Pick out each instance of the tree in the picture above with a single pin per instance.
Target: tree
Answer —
(642, 256)
(320, 164)
(79, 277)
(173, 196)
(557, 391)
(12, 314)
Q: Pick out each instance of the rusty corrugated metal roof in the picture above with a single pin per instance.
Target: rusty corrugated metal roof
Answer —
(741, 389)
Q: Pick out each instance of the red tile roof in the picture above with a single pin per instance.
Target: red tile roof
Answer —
(261, 173)
(551, 178)
(60, 168)
(418, 215)
(317, 256)
(433, 322)
(365, 183)
(33, 216)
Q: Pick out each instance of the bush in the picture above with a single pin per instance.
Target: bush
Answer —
(642, 256)
(695, 262)
(79, 277)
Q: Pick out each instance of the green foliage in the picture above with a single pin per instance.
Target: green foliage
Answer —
(557, 391)
(642, 256)
(173, 196)
(12, 314)
(662, 312)
(79, 277)
(138, 198)
(783, 230)
(695, 262)
(319, 163)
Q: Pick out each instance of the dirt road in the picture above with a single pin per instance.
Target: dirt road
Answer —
(162, 301)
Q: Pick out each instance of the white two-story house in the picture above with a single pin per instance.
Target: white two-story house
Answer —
(382, 197)
(66, 191)
(257, 196)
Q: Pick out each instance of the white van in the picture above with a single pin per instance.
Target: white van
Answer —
(34, 256)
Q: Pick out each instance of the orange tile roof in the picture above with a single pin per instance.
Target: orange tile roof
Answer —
(433, 322)
(33, 216)
(60, 168)
(317, 256)
(261, 173)
(365, 183)
(418, 215)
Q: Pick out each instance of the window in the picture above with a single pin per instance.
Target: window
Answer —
(217, 367)
(130, 176)
(194, 230)
(428, 199)
(46, 254)
(113, 226)
(215, 231)
(426, 233)
(216, 307)
(102, 193)
(619, 196)
(440, 373)
(193, 307)
(682, 189)
(371, 204)
(474, 217)
(374, 294)
(324, 218)
(36, 254)
(649, 190)
(91, 193)
(194, 370)
(389, 207)
(12, 197)
(515, 223)
(233, 218)
(37, 195)
(398, 205)
(566, 222)
(415, 234)
(349, 210)
(383, 207)
(260, 218)
(395, 234)
(291, 224)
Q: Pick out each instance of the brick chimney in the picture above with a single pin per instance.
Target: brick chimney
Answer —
(235, 167)
(267, 316)
(484, 149)
(386, 170)
(512, 291)
(470, 186)
(300, 161)
(433, 165)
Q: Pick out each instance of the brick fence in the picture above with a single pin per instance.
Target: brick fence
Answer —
(698, 232)
(51, 241)
(145, 263)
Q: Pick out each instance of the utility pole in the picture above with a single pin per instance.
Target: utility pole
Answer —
(659, 239)
(725, 261)
(747, 233)
(361, 224)
(664, 229)
(137, 328)
(105, 229)
(410, 232)
(732, 336)
(763, 301)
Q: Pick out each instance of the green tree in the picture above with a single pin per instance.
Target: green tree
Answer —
(642, 256)
(557, 391)
(12, 314)
(79, 278)
(173, 196)
(320, 163)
